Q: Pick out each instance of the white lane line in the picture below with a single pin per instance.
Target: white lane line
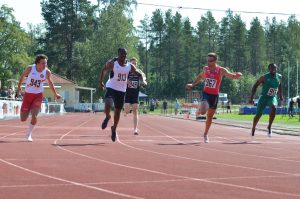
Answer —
(139, 182)
(68, 181)
(91, 183)
(87, 186)
(13, 134)
(210, 181)
(223, 151)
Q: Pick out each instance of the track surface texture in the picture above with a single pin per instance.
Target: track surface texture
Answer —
(72, 158)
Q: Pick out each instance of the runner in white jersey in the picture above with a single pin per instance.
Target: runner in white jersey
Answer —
(116, 87)
(36, 75)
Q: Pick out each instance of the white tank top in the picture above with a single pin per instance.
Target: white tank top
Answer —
(119, 80)
(34, 81)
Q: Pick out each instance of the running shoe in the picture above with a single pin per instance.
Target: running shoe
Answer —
(105, 122)
(29, 138)
(135, 132)
(206, 139)
(270, 132)
(113, 134)
(252, 133)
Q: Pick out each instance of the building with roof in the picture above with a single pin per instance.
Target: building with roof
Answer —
(68, 89)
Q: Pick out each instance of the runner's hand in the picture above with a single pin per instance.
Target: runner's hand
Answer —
(238, 75)
(102, 86)
(189, 86)
(20, 91)
(57, 96)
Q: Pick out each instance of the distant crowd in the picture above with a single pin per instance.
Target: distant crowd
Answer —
(9, 93)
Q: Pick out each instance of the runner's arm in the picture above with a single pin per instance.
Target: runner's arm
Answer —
(106, 68)
(231, 75)
(197, 80)
(280, 92)
(253, 91)
(24, 74)
(136, 71)
(48, 77)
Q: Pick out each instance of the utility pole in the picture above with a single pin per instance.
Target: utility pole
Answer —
(146, 64)
(288, 79)
(297, 78)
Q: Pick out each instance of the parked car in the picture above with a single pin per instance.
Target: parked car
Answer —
(255, 101)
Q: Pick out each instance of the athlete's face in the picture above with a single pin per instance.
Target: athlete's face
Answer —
(134, 62)
(122, 55)
(273, 69)
(211, 60)
(42, 63)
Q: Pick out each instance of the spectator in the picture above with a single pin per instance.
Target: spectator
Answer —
(65, 103)
(93, 108)
(165, 106)
(228, 106)
(10, 93)
(291, 108)
(88, 110)
(152, 105)
(176, 106)
(45, 100)
(4, 92)
(298, 102)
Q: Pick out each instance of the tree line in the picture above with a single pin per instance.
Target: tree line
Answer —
(79, 37)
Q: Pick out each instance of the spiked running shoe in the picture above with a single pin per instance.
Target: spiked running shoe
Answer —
(105, 122)
(206, 139)
(113, 134)
(270, 132)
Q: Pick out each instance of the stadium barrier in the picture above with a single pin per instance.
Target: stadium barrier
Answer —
(251, 110)
(87, 107)
(11, 108)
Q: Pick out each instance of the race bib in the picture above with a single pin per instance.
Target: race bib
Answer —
(272, 92)
(36, 83)
(122, 77)
(211, 83)
(133, 84)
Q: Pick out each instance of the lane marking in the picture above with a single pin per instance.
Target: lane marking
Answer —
(213, 149)
(68, 181)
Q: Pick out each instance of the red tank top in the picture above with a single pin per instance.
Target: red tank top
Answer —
(212, 81)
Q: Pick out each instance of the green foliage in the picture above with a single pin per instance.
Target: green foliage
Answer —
(79, 38)
(178, 52)
(14, 46)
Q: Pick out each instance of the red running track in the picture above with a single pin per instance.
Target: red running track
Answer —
(72, 158)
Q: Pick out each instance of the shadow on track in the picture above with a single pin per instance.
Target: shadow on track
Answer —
(88, 144)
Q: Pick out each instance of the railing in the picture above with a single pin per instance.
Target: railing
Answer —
(10, 108)
(86, 107)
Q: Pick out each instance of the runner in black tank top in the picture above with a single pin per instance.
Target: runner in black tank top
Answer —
(132, 95)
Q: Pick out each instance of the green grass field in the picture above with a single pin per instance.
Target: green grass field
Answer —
(281, 119)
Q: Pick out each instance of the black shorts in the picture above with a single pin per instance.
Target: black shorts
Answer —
(117, 96)
(131, 99)
(211, 99)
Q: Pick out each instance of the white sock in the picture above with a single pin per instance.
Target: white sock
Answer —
(30, 128)
(135, 121)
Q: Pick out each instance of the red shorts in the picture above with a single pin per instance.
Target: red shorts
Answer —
(30, 101)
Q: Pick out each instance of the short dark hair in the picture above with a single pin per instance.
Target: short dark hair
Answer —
(214, 55)
(39, 57)
(272, 64)
(121, 49)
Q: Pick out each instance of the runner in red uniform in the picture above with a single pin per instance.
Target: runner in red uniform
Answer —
(36, 75)
(212, 76)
